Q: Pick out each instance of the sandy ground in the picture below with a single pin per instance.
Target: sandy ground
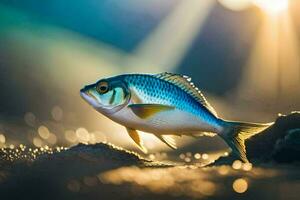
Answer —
(104, 171)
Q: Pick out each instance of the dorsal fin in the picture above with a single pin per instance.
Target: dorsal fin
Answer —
(186, 84)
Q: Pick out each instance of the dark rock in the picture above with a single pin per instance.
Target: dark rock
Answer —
(280, 142)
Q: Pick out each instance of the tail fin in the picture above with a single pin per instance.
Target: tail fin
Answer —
(235, 134)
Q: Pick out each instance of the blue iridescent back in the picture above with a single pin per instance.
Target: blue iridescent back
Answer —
(153, 90)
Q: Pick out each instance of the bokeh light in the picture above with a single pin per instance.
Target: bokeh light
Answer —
(206, 187)
(237, 164)
(272, 6)
(197, 156)
(57, 113)
(83, 135)
(52, 139)
(224, 170)
(205, 156)
(2, 138)
(70, 136)
(37, 142)
(240, 185)
(43, 132)
(30, 119)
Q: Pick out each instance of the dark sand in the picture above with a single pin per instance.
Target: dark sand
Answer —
(103, 171)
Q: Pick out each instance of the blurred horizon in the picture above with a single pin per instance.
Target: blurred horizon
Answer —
(244, 57)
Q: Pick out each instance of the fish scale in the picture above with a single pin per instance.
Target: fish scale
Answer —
(161, 92)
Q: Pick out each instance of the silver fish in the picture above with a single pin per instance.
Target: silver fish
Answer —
(164, 104)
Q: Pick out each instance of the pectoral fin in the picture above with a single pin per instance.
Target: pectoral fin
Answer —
(136, 138)
(147, 110)
(168, 140)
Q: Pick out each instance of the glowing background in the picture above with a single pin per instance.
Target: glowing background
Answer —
(244, 55)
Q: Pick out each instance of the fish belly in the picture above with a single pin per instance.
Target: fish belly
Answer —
(174, 122)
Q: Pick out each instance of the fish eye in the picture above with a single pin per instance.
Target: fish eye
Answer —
(102, 87)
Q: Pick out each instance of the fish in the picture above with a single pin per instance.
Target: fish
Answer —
(165, 105)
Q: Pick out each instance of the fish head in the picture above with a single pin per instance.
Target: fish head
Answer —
(107, 95)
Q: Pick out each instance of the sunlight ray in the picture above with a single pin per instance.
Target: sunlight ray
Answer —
(272, 72)
(167, 44)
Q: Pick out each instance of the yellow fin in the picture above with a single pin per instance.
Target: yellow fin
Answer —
(186, 84)
(168, 140)
(147, 110)
(136, 138)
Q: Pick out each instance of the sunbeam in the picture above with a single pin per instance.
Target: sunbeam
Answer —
(167, 44)
(272, 72)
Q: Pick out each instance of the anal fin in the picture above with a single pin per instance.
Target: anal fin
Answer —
(137, 139)
(168, 140)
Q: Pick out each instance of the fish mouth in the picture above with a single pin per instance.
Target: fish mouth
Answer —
(92, 100)
(85, 92)
(87, 96)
